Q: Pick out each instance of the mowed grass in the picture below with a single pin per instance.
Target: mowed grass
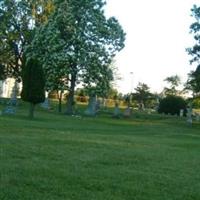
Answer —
(146, 157)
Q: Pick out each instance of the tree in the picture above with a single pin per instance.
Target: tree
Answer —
(174, 82)
(172, 105)
(13, 33)
(33, 84)
(2, 72)
(142, 95)
(18, 19)
(82, 46)
(193, 82)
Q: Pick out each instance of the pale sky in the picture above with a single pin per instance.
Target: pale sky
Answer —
(157, 36)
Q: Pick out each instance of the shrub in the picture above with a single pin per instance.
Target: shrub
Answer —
(172, 105)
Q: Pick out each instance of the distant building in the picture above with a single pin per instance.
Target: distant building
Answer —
(6, 87)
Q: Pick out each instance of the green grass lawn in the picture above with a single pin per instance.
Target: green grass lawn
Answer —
(146, 157)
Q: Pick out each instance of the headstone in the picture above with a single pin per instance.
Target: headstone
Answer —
(98, 105)
(127, 112)
(91, 109)
(116, 113)
(197, 117)
(45, 104)
(189, 114)
(141, 105)
(181, 112)
(148, 111)
(13, 99)
(103, 103)
(9, 110)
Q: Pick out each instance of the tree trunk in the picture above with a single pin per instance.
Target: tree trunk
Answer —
(60, 101)
(70, 97)
(31, 110)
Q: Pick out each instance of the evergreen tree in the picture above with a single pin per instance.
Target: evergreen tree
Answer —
(33, 84)
(142, 95)
(174, 82)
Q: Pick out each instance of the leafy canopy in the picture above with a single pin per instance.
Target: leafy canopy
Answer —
(193, 82)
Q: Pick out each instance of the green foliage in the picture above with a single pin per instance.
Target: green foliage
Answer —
(2, 72)
(193, 82)
(33, 82)
(142, 94)
(172, 105)
(18, 19)
(195, 30)
(196, 103)
(174, 82)
(77, 47)
(113, 94)
(13, 34)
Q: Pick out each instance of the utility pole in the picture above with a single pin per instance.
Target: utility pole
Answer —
(131, 73)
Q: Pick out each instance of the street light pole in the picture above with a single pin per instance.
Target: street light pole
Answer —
(131, 73)
(130, 96)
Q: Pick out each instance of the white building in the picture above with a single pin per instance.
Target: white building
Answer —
(6, 87)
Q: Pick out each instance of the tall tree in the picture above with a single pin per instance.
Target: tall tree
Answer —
(33, 84)
(193, 82)
(142, 95)
(174, 82)
(194, 77)
(18, 19)
(85, 44)
(13, 34)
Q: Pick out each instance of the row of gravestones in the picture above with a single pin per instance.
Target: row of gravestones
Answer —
(190, 115)
(117, 114)
(94, 107)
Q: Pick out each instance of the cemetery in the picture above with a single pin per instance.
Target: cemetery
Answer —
(102, 157)
(77, 123)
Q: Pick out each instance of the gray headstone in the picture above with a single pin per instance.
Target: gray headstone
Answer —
(116, 113)
(9, 110)
(45, 104)
(181, 112)
(127, 112)
(91, 108)
(189, 115)
(98, 105)
(197, 117)
(13, 99)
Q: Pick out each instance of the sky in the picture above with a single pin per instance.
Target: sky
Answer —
(157, 34)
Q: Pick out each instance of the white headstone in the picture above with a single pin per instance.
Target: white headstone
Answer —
(197, 117)
(181, 112)
(189, 114)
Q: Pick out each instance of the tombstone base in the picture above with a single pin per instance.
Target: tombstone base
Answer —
(9, 110)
